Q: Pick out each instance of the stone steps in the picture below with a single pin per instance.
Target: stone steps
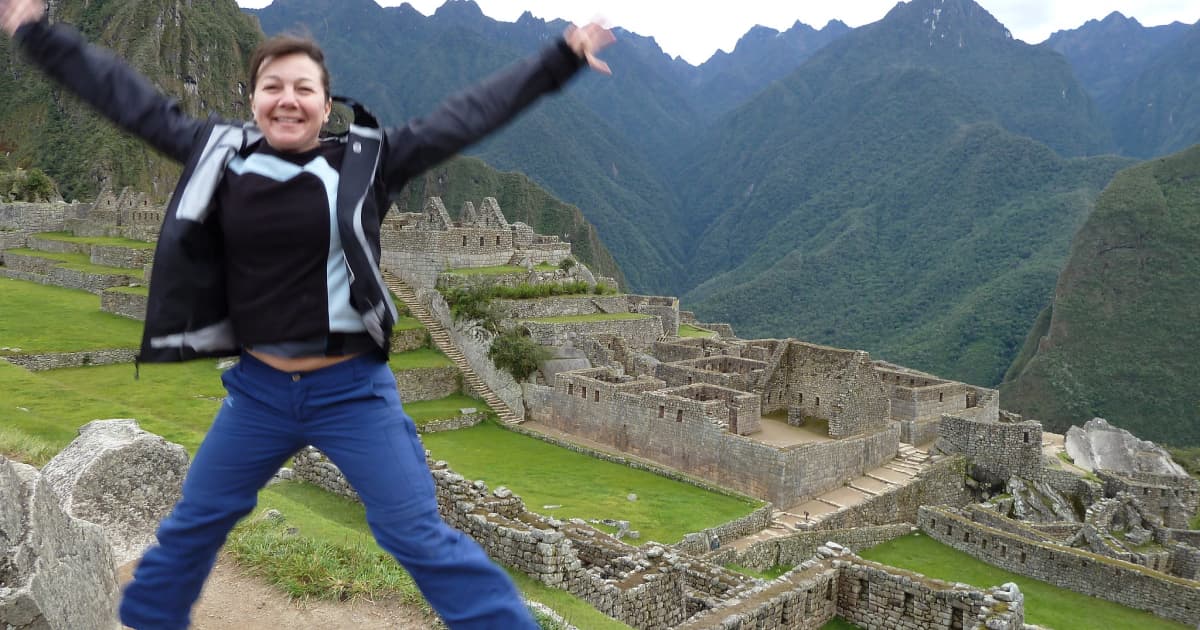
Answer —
(445, 344)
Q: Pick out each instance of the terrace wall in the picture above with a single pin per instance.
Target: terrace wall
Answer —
(427, 383)
(1080, 571)
(131, 305)
(841, 386)
(1175, 499)
(637, 333)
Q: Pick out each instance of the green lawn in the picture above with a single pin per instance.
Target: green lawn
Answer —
(419, 358)
(443, 408)
(77, 323)
(591, 317)
(585, 487)
(406, 322)
(78, 262)
(1045, 604)
(688, 330)
(95, 240)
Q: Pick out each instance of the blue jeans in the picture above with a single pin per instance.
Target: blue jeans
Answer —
(350, 411)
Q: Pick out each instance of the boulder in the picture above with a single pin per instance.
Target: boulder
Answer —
(121, 478)
(56, 572)
(1099, 445)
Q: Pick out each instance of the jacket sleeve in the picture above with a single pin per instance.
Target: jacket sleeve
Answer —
(468, 116)
(114, 89)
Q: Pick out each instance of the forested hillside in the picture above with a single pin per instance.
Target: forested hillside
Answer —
(194, 51)
(1120, 339)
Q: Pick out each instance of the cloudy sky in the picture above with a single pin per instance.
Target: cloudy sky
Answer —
(694, 29)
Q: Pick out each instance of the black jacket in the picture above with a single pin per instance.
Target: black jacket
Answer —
(187, 313)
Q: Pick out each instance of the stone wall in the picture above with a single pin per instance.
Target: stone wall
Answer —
(39, 217)
(1083, 572)
(59, 360)
(702, 542)
(692, 436)
(802, 599)
(428, 383)
(117, 256)
(940, 483)
(838, 385)
(871, 596)
(663, 307)
(998, 450)
(795, 548)
(131, 305)
(637, 333)
(51, 273)
(722, 370)
(560, 306)
(640, 587)
(464, 421)
(1174, 499)
(918, 432)
(411, 339)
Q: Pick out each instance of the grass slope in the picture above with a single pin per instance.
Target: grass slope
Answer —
(1045, 604)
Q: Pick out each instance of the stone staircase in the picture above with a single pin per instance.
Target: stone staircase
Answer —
(442, 340)
(909, 461)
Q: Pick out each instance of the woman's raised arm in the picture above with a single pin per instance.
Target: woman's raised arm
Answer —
(95, 75)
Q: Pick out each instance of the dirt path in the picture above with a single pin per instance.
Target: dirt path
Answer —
(234, 600)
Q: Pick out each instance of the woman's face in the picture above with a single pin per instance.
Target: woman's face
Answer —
(289, 102)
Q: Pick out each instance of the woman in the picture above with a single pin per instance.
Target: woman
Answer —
(270, 250)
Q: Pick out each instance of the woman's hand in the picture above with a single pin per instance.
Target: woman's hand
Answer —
(16, 13)
(587, 42)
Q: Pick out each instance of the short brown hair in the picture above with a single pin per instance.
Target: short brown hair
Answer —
(283, 45)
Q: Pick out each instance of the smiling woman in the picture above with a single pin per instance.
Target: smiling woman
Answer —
(269, 250)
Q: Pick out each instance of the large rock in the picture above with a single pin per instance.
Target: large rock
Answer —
(1099, 445)
(121, 478)
(56, 572)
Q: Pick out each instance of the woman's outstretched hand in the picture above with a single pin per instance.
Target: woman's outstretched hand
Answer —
(16, 13)
(587, 42)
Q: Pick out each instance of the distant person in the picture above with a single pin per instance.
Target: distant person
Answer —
(270, 250)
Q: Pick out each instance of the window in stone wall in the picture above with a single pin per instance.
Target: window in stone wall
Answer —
(958, 618)
(940, 394)
(497, 241)
(595, 395)
(983, 541)
(679, 416)
(966, 536)
(1145, 490)
(864, 591)
(570, 389)
(801, 398)
(933, 523)
(661, 410)
(1003, 551)
(818, 401)
(584, 388)
(464, 240)
(481, 241)
(1026, 437)
(909, 604)
(1022, 557)
(829, 590)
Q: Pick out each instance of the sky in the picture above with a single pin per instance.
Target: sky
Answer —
(695, 29)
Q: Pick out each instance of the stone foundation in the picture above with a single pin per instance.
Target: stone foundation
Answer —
(59, 360)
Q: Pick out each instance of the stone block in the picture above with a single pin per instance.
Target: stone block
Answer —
(121, 478)
(57, 571)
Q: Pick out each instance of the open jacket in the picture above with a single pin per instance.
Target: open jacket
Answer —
(187, 315)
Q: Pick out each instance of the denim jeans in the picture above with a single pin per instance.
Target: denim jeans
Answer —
(351, 411)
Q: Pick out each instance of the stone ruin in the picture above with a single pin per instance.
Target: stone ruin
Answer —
(1099, 445)
(65, 530)
(56, 571)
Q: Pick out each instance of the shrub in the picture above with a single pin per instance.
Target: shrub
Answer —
(566, 263)
(516, 353)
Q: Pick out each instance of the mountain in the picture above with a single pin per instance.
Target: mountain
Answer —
(1108, 54)
(1120, 340)
(1159, 112)
(904, 191)
(1132, 71)
(194, 50)
(761, 56)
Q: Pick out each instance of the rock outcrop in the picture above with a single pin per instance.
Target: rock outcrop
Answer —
(56, 572)
(121, 478)
(1099, 445)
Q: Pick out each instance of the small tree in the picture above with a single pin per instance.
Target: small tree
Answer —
(516, 353)
(566, 263)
